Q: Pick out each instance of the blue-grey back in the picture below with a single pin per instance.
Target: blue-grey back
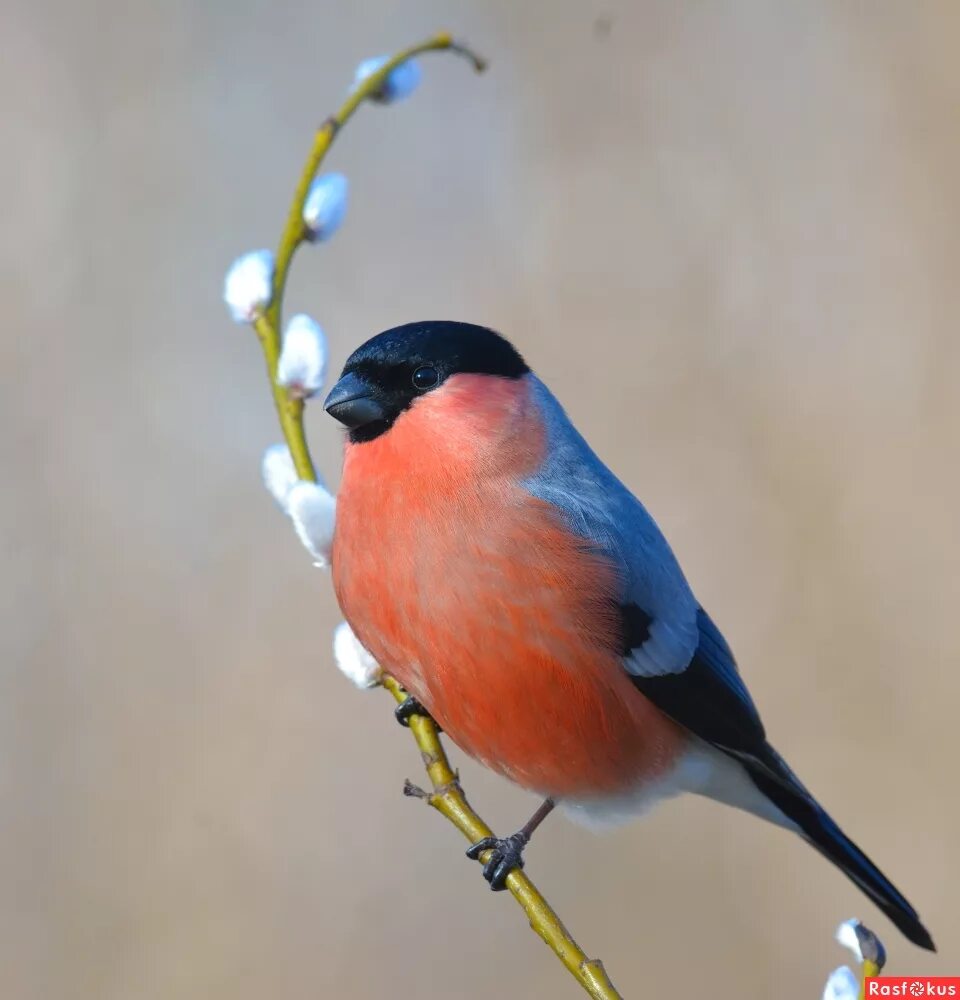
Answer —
(599, 508)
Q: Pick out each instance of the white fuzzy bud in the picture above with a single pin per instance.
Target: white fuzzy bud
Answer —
(279, 473)
(313, 509)
(847, 936)
(842, 985)
(862, 941)
(401, 82)
(354, 662)
(248, 285)
(325, 207)
(303, 359)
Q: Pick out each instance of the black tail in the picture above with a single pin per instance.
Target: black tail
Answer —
(778, 783)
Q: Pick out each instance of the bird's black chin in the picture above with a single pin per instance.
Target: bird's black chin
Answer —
(368, 432)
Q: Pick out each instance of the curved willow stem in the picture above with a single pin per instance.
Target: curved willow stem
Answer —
(267, 325)
(446, 796)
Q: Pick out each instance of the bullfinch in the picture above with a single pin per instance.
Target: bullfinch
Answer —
(528, 602)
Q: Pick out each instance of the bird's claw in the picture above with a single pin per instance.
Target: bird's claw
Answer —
(506, 854)
(410, 706)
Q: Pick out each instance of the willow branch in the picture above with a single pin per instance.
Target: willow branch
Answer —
(874, 956)
(267, 325)
(446, 795)
(448, 799)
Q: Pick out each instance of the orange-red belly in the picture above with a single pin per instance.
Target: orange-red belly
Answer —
(476, 598)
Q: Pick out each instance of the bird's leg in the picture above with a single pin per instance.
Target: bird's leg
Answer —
(410, 706)
(506, 853)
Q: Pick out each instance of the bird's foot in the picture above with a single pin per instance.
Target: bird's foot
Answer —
(410, 706)
(506, 853)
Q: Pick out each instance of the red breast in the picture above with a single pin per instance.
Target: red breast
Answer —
(474, 595)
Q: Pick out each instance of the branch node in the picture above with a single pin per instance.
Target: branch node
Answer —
(414, 791)
(450, 786)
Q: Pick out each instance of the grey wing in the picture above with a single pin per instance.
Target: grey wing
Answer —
(672, 650)
(677, 657)
(599, 508)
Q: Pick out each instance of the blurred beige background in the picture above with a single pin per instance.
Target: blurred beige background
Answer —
(727, 235)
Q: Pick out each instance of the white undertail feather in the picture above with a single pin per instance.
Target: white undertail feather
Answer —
(700, 770)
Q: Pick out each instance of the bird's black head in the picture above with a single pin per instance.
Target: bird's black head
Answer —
(382, 378)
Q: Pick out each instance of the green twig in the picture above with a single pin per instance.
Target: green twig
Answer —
(446, 795)
(267, 324)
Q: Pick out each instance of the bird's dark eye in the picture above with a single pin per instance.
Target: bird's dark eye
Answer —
(425, 377)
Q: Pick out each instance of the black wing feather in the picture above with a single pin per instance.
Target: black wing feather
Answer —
(708, 697)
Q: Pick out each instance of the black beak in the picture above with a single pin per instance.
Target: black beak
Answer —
(351, 402)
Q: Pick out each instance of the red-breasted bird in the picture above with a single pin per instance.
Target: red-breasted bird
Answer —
(526, 599)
